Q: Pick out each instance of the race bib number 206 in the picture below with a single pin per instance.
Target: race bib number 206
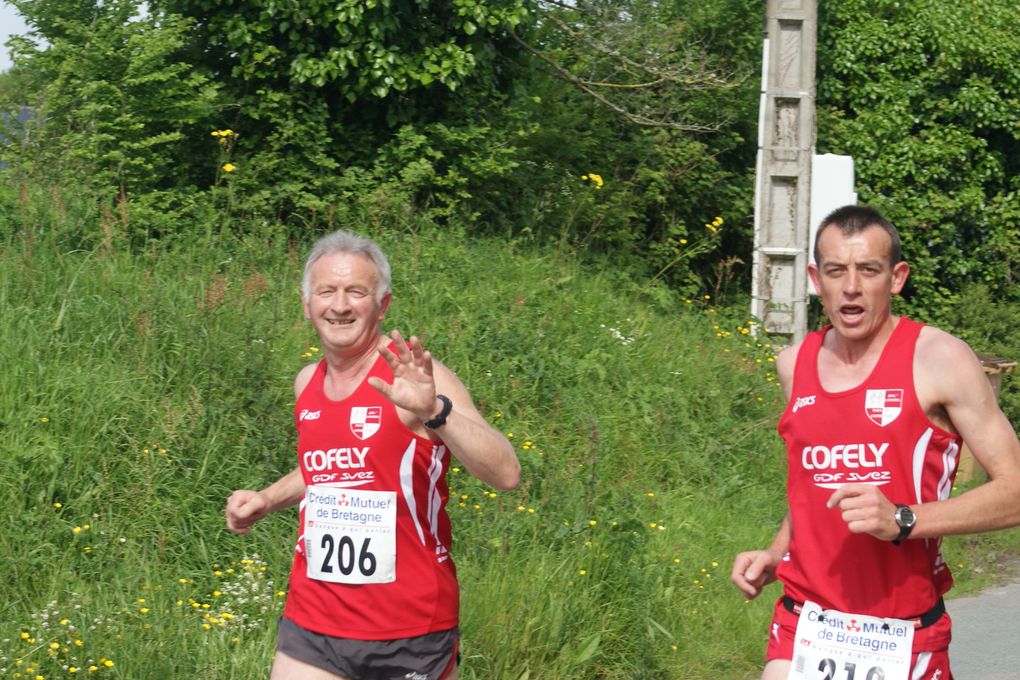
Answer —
(833, 645)
(350, 535)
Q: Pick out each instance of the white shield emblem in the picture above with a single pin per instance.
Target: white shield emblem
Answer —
(365, 420)
(883, 406)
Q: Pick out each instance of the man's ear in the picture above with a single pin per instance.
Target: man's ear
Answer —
(900, 272)
(304, 305)
(812, 272)
(385, 304)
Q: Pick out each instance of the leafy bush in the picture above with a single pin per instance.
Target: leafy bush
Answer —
(907, 89)
(116, 110)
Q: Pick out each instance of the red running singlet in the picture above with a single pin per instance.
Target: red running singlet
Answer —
(876, 433)
(354, 452)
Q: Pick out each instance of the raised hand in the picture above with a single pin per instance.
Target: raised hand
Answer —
(414, 386)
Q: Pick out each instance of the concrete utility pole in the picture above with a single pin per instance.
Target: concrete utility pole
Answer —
(786, 138)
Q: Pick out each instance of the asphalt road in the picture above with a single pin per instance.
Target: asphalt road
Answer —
(986, 634)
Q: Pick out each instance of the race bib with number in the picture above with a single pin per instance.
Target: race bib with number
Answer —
(832, 645)
(351, 535)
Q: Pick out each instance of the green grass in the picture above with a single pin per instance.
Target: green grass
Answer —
(140, 388)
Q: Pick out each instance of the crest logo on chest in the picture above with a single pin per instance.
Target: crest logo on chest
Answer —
(365, 421)
(883, 406)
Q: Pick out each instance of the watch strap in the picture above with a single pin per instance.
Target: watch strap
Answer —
(905, 529)
(440, 419)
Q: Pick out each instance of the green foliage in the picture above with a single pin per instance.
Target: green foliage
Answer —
(988, 323)
(655, 109)
(14, 88)
(438, 104)
(316, 88)
(361, 50)
(114, 107)
(923, 94)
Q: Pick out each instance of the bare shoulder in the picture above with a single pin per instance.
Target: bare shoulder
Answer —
(302, 379)
(943, 355)
(935, 344)
(787, 358)
(786, 361)
(946, 368)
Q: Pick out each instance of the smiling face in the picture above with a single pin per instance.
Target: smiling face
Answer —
(342, 304)
(856, 280)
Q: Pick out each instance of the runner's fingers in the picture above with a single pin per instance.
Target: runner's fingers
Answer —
(381, 385)
(402, 352)
(426, 363)
(388, 355)
(416, 349)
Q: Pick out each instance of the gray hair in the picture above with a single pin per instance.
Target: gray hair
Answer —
(346, 242)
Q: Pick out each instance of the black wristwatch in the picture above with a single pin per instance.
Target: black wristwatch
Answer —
(905, 520)
(440, 419)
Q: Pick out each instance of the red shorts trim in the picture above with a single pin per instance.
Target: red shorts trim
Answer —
(929, 659)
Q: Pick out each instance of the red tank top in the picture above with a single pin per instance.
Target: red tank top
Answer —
(355, 449)
(876, 433)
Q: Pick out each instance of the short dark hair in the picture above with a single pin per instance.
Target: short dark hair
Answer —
(853, 219)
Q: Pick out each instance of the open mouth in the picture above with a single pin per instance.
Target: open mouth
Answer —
(851, 312)
(339, 322)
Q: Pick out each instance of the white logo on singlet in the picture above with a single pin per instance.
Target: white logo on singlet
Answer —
(853, 456)
(309, 415)
(883, 406)
(802, 402)
(365, 421)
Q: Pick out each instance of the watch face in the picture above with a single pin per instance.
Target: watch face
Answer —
(905, 517)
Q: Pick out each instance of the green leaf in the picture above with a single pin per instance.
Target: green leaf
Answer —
(589, 650)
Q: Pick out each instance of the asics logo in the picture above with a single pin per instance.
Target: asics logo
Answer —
(802, 402)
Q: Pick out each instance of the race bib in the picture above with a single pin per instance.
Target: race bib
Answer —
(351, 535)
(832, 645)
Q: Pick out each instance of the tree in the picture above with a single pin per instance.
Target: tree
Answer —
(924, 94)
(316, 87)
(115, 110)
(659, 101)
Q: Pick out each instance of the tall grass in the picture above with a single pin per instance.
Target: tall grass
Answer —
(140, 388)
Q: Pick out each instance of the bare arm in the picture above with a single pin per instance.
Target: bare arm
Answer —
(245, 507)
(417, 379)
(953, 374)
(957, 396)
(755, 569)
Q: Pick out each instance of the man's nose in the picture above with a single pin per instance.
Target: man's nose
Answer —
(852, 282)
(340, 301)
